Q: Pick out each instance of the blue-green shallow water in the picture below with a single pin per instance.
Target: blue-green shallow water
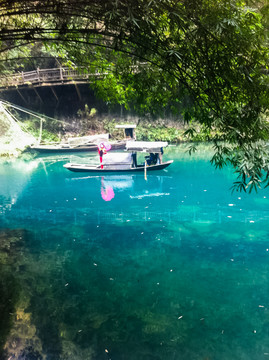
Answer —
(175, 267)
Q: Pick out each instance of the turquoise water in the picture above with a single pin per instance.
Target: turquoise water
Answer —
(175, 267)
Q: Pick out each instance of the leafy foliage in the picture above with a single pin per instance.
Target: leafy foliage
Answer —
(48, 135)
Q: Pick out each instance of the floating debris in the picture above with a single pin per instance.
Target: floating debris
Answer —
(180, 317)
(66, 284)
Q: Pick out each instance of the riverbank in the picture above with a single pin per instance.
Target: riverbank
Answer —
(16, 136)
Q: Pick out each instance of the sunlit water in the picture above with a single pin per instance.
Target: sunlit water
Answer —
(117, 267)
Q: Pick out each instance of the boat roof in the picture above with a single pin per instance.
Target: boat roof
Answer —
(125, 126)
(146, 146)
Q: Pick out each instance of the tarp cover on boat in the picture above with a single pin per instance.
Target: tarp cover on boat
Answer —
(95, 139)
(146, 146)
(117, 158)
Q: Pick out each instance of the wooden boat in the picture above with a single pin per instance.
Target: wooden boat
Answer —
(66, 148)
(127, 161)
(78, 144)
(87, 143)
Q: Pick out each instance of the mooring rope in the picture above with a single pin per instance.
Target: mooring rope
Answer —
(32, 113)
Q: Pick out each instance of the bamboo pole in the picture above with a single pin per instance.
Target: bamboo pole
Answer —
(145, 170)
(40, 131)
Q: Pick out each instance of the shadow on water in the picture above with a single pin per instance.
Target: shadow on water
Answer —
(27, 327)
(7, 306)
(47, 326)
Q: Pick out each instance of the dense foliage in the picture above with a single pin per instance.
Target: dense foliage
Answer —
(205, 60)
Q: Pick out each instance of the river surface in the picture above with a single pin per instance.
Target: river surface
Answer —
(119, 267)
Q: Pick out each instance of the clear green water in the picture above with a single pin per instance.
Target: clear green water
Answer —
(175, 267)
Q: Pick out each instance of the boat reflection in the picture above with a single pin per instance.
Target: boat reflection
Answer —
(127, 182)
(133, 184)
(115, 182)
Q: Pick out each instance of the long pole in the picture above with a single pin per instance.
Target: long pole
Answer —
(145, 170)
(40, 131)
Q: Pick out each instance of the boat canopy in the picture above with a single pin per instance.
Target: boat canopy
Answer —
(125, 126)
(146, 146)
(117, 158)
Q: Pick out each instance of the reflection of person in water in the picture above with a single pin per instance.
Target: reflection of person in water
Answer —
(107, 192)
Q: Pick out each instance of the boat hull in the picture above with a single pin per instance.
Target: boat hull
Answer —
(111, 169)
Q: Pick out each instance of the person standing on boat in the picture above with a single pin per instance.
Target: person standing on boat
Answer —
(134, 156)
(101, 152)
